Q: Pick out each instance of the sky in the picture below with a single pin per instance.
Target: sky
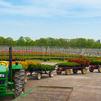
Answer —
(50, 18)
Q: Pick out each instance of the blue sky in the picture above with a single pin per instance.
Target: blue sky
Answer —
(50, 18)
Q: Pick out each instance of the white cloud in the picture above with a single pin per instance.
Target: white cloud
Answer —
(28, 10)
(52, 8)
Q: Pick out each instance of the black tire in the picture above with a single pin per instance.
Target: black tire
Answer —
(38, 76)
(84, 71)
(51, 74)
(99, 69)
(91, 70)
(75, 71)
(19, 82)
(59, 72)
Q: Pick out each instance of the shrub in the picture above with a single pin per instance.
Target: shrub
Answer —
(68, 64)
(40, 67)
(95, 62)
(82, 61)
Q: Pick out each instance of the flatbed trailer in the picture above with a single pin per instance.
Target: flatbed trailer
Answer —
(95, 64)
(71, 69)
(39, 70)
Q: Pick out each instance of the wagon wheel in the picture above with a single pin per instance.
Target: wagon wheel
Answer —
(91, 69)
(99, 69)
(51, 74)
(68, 71)
(59, 72)
(75, 71)
(84, 71)
(38, 76)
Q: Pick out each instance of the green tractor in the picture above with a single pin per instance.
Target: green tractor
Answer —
(12, 78)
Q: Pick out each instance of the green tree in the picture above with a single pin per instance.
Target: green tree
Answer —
(29, 41)
(21, 41)
(9, 41)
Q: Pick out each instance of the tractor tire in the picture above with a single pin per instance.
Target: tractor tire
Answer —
(19, 82)
(84, 71)
(99, 69)
(90, 69)
(75, 71)
(51, 74)
(38, 76)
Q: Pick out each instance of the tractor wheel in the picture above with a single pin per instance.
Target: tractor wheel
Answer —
(84, 71)
(38, 76)
(51, 74)
(75, 71)
(99, 69)
(90, 69)
(19, 81)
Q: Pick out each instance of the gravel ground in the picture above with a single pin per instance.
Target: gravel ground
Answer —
(85, 88)
(48, 94)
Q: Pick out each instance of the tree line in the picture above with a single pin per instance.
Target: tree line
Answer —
(51, 42)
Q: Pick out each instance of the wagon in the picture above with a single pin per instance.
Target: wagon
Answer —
(70, 67)
(95, 64)
(39, 69)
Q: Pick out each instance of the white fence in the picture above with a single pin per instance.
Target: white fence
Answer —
(55, 50)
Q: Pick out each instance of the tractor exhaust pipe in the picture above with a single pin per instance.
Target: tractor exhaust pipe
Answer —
(10, 63)
(10, 57)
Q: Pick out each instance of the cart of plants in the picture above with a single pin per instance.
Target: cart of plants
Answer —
(73, 65)
(38, 69)
(95, 64)
(70, 67)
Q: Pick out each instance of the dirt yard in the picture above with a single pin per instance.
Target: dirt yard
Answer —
(69, 88)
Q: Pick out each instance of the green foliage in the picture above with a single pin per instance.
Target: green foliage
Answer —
(51, 42)
(6, 41)
(47, 67)
(84, 43)
(68, 64)
(40, 67)
(95, 62)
